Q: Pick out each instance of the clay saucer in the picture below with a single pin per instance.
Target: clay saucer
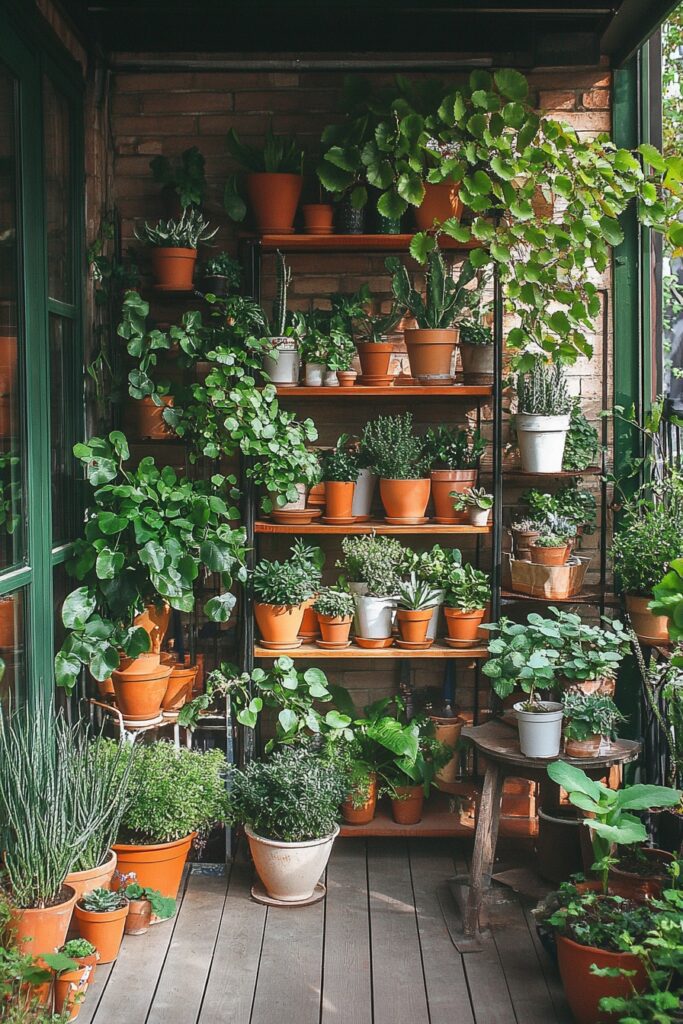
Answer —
(404, 381)
(393, 521)
(462, 643)
(372, 644)
(318, 231)
(406, 645)
(379, 380)
(339, 520)
(362, 519)
(450, 521)
(270, 645)
(302, 517)
(328, 645)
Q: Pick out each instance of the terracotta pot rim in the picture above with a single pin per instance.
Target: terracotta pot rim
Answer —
(274, 174)
(458, 613)
(335, 620)
(102, 916)
(399, 480)
(87, 873)
(280, 844)
(415, 614)
(180, 251)
(131, 847)
(435, 335)
(453, 474)
(603, 952)
(376, 346)
(53, 906)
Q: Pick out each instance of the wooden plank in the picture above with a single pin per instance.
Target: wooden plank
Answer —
(379, 526)
(314, 653)
(181, 983)
(525, 980)
(398, 982)
(232, 979)
(353, 243)
(347, 990)
(360, 391)
(444, 972)
(550, 971)
(488, 987)
(94, 994)
(290, 975)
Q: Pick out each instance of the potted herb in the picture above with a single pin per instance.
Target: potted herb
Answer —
(274, 182)
(468, 591)
(476, 352)
(416, 603)
(334, 609)
(174, 248)
(398, 457)
(542, 421)
(339, 471)
(360, 802)
(280, 592)
(370, 333)
(569, 504)
(479, 505)
(101, 917)
(221, 274)
(432, 343)
(143, 904)
(372, 568)
(407, 779)
(73, 978)
(282, 360)
(289, 806)
(454, 457)
(590, 721)
(549, 549)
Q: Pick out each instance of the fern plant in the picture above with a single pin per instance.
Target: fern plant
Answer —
(444, 298)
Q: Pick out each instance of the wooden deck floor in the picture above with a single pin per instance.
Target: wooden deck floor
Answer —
(376, 951)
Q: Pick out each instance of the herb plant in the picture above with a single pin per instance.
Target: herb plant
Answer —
(570, 502)
(434, 565)
(601, 921)
(282, 583)
(335, 603)
(549, 540)
(186, 233)
(444, 298)
(542, 391)
(467, 588)
(375, 561)
(395, 452)
(453, 448)
(645, 546)
(78, 948)
(341, 463)
(103, 901)
(590, 714)
(184, 174)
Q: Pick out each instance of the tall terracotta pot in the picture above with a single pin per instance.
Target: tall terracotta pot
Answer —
(648, 627)
(443, 482)
(375, 357)
(440, 202)
(583, 990)
(173, 268)
(279, 623)
(43, 930)
(274, 199)
(139, 686)
(408, 810)
(431, 354)
(157, 865)
(464, 626)
(103, 930)
(404, 499)
(339, 499)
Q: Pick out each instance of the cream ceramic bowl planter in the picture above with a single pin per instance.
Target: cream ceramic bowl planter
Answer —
(540, 733)
(290, 871)
(541, 441)
(283, 367)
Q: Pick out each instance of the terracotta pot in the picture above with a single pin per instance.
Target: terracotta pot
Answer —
(8, 363)
(105, 931)
(521, 542)
(318, 218)
(37, 931)
(447, 730)
(464, 625)
(147, 419)
(431, 354)
(443, 482)
(335, 629)
(583, 748)
(279, 623)
(83, 882)
(366, 812)
(139, 917)
(274, 199)
(583, 990)
(549, 556)
(375, 357)
(339, 499)
(156, 866)
(440, 202)
(309, 623)
(642, 887)
(405, 499)
(105, 688)
(154, 620)
(413, 624)
(408, 811)
(71, 986)
(178, 687)
(140, 686)
(173, 268)
(648, 627)
(290, 871)
(605, 685)
(346, 378)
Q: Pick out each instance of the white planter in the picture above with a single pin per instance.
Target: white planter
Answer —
(361, 589)
(478, 516)
(477, 360)
(540, 734)
(363, 493)
(290, 871)
(284, 367)
(330, 379)
(541, 441)
(374, 616)
(291, 506)
(433, 627)
(314, 375)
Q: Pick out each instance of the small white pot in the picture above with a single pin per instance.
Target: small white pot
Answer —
(291, 506)
(290, 871)
(330, 379)
(477, 360)
(363, 493)
(374, 616)
(284, 367)
(541, 441)
(433, 627)
(360, 589)
(478, 516)
(315, 374)
(540, 735)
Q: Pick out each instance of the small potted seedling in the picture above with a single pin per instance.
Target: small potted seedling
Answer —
(334, 608)
(101, 918)
(416, 602)
(479, 505)
(549, 549)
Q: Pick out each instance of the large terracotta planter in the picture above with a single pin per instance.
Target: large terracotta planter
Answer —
(71, 986)
(83, 882)
(173, 268)
(154, 620)
(290, 871)
(157, 866)
(633, 886)
(408, 811)
(443, 482)
(178, 688)
(274, 199)
(279, 623)
(464, 626)
(363, 814)
(648, 627)
(431, 354)
(440, 202)
(549, 556)
(448, 730)
(405, 499)
(43, 930)
(413, 624)
(583, 990)
(139, 687)
(375, 358)
(147, 419)
(105, 931)
(335, 629)
(339, 499)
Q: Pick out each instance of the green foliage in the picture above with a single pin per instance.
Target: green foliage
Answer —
(103, 901)
(590, 714)
(393, 450)
(185, 175)
(542, 391)
(162, 906)
(467, 588)
(569, 503)
(280, 154)
(420, 770)
(224, 265)
(473, 333)
(668, 599)
(434, 565)
(582, 446)
(283, 277)
(592, 919)
(335, 603)
(476, 497)
(372, 327)
(19, 975)
(186, 233)
(444, 299)
(324, 337)
(646, 545)
(341, 463)
(415, 594)
(550, 540)
(454, 448)
(283, 583)
(78, 948)
(375, 561)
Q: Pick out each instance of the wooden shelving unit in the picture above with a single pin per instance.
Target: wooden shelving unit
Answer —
(311, 652)
(350, 243)
(358, 392)
(374, 526)
(441, 820)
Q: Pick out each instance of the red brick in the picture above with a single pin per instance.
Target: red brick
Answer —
(185, 102)
(557, 100)
(295, 100)
(181, 124)
(158, 81)
(596, 99)
(125, 103)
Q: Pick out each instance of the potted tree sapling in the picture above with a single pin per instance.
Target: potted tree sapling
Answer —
(101, 917)
(221, 275)
(542, 421)
(398, 457)
(339, 472)
(372, 569)
(274, 181)
(468, 592)
(289, 806)
(476, 352)
(282, 360)
(334, 608)
(173, 247)
(454, 457)
(590, 723)
(416, 603)
(281, 590)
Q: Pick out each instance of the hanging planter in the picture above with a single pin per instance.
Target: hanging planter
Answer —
(430, 353)
(284, 366)
(540, 731)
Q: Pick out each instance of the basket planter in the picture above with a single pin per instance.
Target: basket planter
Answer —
(441, 201)
(314, 375)
(157, 865)
(83, 882)
(375, 358)
(648, 627)
(290, 871)
(274, 199)
(540, 733)
(583, 990)
(549, 556)
(279, 623)
(641, 887)
(433, 627)
(430, 353)
(404, 499)
(318, 218)
(541, 441)
(477, 363)
(37, 930)
(548, 582)
(283, 369)
(103, 930)
(448, 730)
(139, 686)
(374, 616)
(413, 624)
(335, 629)
(173, 268)
(366, 812)
(443, 482)
(363, 494)
(408, 810)
(464, 626)
(339, 499)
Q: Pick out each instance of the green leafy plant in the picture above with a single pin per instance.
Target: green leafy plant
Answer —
(325, 337)
(282, 583)
(570, 502)
(434, 565)
(335, 603)
(372, 327)
(340, 463)
(473, 333)
(375, 561)
(467, 588)
(444, 299)
(453, 448)
(279, 154)
(394, 451)
(549, 540)
(668, 599)
(185, 175)
(415, 594)
(78, 948)
(582, 446)
(542, 391)
(420, 770)
(590, 714)
(224, 265)
(646, 545)
(162, 906)
(185, 233)
(477, 497)
(599, 920)
(103, 901)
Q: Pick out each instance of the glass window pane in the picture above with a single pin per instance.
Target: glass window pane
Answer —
(58, 194)
(64, 465)
(11, 433)
(12, 648)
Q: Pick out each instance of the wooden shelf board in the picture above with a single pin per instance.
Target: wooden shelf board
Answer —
(352, 243)
(396, 391)
(373, 526)
(589, 595)
(311, 652)
(438, 820)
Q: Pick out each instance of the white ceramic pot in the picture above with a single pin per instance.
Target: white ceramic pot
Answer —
(374, 616)
(477, 360)
(283, 368)
(540, 734)
(433, 627)
(364, 493)
(478, 516)
(290, 871)
(330, 379)
(361, 589)
(541, 441)
(314, 375)
(291, 506)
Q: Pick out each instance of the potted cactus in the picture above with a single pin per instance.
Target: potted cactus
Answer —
(174, 248)
(282, 364)
(100, 918)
